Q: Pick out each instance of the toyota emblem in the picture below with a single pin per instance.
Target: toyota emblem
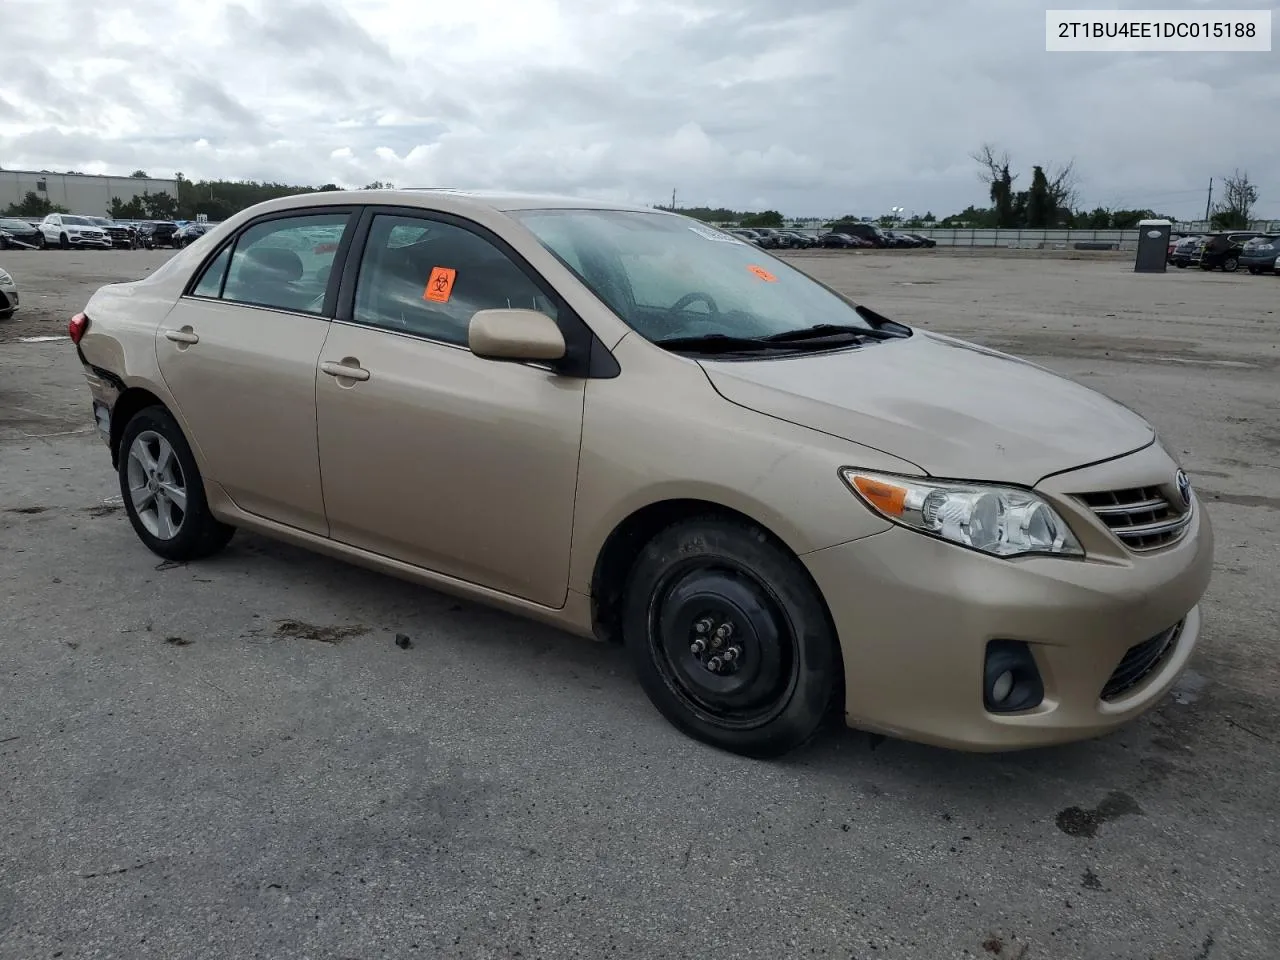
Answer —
(1184, 486)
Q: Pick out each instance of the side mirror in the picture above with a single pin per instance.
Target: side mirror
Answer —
(515, 335)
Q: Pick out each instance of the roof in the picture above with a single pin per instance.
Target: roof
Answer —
(508, 200)
(483, 206)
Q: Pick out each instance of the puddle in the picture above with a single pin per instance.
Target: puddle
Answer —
(1188, 688)
(41, 339)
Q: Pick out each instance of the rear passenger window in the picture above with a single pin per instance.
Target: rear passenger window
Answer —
(285, 263)
(210, 284)
(429, 278)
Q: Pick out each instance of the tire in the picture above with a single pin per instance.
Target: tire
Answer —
(693, 578)
(196, 533)
(64, 242)
(1230, 265)
(43, 242)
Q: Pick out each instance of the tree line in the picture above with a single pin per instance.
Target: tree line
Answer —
(216, 199)
(1048, 202)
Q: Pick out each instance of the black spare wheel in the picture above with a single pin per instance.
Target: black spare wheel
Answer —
(730, 637)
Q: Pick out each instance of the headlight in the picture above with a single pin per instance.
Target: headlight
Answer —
(1002, 521)
(5, 279)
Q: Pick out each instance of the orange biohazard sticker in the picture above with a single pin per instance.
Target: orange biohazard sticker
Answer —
(440, 284)
(762, 273)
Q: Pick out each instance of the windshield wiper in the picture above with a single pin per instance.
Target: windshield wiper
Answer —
(826, 331)
(717, 343)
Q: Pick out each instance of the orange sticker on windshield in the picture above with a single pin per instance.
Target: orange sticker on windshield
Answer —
(440, 284)
(762, 273)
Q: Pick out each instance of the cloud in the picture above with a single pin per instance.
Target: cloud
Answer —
(820, 107)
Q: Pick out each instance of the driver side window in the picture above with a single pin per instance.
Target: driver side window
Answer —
(429, 278)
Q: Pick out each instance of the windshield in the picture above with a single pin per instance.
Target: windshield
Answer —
(77, 221)
(669, 276)
(8, 224)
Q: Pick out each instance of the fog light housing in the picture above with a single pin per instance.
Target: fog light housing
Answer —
(1011, 680)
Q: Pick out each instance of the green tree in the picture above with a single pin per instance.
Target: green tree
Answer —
(768, 218)
(34, 205)
(1235, 210)
(131, 209)
(1042, 212)
(140, 175)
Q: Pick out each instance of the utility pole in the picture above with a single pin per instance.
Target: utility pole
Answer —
(673, 198)
(1208, 204)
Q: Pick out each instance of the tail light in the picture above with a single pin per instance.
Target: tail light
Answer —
(77, 327)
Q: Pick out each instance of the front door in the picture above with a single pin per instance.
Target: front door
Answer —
(430, 455)
(239, 354)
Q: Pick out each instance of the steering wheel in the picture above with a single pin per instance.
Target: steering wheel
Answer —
(694, 297)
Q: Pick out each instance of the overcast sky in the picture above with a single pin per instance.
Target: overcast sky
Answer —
(813, 107)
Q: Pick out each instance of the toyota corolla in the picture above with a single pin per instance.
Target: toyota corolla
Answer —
(643, 429)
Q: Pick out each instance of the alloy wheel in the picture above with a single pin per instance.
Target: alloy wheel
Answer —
(157, 487)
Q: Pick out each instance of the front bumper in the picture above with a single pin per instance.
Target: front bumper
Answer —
(914, 616)
(93, 243)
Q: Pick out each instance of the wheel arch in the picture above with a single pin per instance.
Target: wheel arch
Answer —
(618, 553)
(127, 405)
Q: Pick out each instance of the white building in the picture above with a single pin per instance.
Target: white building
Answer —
(86, 194)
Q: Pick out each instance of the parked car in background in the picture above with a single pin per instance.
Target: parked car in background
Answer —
(1222, 250)
(122, 238)
(189, 233)
(159, 233)
(1259, 254)
(951, 545)
(800, 240)
(864, 231)
(770, 237)
(15, 233)
(1185, 252)
(8, 295)
(839, 240)
(902, 239)
(67, 230)
(744, 233)
(923, 240)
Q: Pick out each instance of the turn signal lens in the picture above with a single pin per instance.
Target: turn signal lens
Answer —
(1002, 521)
(885, 497)
(77, 327)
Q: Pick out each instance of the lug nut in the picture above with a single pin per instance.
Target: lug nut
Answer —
(732, 654)
(724, 631)
(714, 664)
(697, 647)
(702, 626)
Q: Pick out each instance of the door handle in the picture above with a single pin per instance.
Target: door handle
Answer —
(345, 371)
(185, 335)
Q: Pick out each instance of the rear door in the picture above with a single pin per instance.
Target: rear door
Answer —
(239, 352)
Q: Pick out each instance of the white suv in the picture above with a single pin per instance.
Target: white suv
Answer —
(67, 231)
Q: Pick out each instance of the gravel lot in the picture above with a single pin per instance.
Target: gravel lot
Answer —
(234, 759)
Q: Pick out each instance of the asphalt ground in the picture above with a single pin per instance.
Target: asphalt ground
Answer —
(235, 759)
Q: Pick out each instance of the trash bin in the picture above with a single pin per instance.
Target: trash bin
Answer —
(1153, 246)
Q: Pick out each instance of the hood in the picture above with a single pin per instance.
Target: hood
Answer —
(954, 409)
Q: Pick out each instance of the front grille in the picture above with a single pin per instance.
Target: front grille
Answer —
(1141, 517)
(1140, 661)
